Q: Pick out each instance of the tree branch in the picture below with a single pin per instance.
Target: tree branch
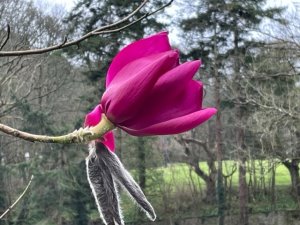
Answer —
(233, 170)
(200, 172)
(20, 197)
(202, 144)
(111, 28)
(78, 136)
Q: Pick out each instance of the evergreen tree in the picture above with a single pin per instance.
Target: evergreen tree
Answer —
(224, 28)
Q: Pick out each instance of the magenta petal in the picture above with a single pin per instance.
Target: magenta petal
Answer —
(177, 77)
(140, 68)
(109, 141)
(176, 125)
(151, 45)
(92, 119)
(126, 95)
(174, 103)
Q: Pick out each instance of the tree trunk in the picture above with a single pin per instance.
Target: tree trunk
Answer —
(193, 161)
(210, 190)
(142, 163)
(273, 187)
(240, 134)
(219, 153)
(243, 188)
(141, 154)
(209, 181)
(243, 193)
(293, 168)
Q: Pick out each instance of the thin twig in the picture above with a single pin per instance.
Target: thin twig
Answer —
(123, 27)
(111, 28)
(135, 21)
(20, 197)
(122, 20)
(7, 37)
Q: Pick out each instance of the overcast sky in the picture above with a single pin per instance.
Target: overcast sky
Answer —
(68, 4)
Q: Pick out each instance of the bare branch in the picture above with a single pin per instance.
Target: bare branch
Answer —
(20, 197)
(135, 21)
(123, 27)
(111, 28)
(233, 170)
(7, 37)
(203, 144)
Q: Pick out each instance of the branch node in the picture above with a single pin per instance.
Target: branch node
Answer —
(64, 42)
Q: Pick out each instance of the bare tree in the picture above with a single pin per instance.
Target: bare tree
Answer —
(194, 149)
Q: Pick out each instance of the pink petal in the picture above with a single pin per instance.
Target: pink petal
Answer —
(151, 45)
(126, 94)
(142, 66)
(177, 77)
(92, 119)
(160, 108)
(109, 141)
(176, 125)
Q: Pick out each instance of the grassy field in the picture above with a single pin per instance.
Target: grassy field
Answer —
(181, 174)
(177, 191)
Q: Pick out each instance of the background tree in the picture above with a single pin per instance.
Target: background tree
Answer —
(36, 94)
(223, 28)
(271, 90)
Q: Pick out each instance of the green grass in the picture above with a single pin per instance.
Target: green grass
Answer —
(177, 191)
(181, 174)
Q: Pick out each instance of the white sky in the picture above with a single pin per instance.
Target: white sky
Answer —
(68, 4)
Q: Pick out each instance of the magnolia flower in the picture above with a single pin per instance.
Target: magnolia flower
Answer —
(148, 92)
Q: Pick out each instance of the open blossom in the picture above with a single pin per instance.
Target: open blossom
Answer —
(148, 92)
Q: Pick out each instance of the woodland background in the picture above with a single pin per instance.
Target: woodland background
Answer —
(243, 161)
